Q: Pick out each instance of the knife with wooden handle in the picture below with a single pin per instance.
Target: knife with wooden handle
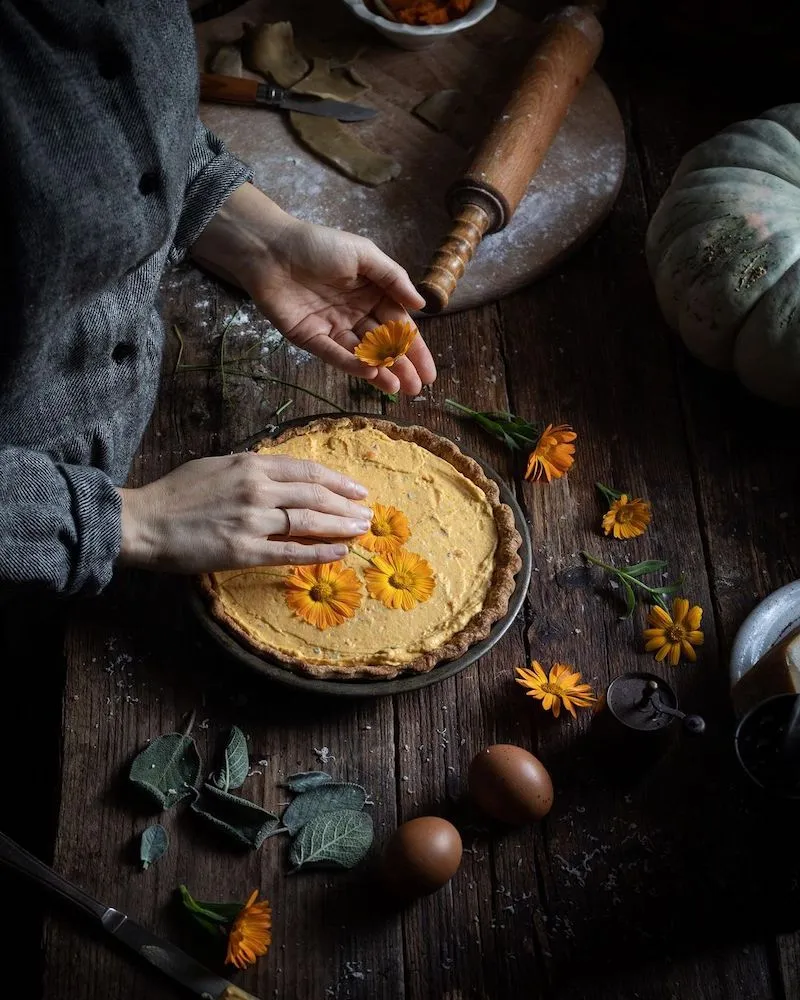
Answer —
(259, 94)
(173, 962)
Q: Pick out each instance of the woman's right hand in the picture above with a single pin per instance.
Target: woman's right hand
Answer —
(238, 511)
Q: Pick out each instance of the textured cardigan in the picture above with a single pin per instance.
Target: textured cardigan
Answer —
(107, 176)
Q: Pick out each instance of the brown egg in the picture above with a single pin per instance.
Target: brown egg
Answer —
(421, 856)
(510, 784)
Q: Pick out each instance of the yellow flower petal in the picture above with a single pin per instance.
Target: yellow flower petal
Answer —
(680, 608)
(659, 617)
(693, 618)
(688, 651)
(382, 346)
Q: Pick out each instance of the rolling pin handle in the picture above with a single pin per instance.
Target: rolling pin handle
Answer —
(452, 257)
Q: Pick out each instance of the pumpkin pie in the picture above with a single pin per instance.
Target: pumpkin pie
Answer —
(440, 532)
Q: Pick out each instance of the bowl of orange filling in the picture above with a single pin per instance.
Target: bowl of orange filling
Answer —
(415, 24)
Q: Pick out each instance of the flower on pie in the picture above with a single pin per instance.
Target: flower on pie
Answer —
(554, 453)
(561, 687)
(627, 517)
(399, 579)
(388, 532)
(250, 934)
(323, 595)
(675, 635)
(382, 346)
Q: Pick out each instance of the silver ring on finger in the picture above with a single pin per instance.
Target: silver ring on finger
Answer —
(288, 529)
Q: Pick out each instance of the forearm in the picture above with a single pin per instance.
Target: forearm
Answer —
(235, 245)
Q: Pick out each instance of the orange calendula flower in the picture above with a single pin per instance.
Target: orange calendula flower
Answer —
(324, 595)
(382, 346)
(388, 532)
(250, 934)
(561, 687)
(627, 517)
(554, 453)
(675, 635)
(399, 579)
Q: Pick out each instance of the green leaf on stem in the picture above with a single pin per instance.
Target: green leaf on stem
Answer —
(169, 768)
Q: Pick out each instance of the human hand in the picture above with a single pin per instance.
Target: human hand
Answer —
(239, 511)
(323, 289)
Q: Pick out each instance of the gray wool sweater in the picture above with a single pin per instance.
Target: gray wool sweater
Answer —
(107, 176)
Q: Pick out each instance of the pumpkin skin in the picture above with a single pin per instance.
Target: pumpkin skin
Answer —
(723, 249)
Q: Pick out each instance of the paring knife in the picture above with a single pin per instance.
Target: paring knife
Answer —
(252, 93)
(164, 956)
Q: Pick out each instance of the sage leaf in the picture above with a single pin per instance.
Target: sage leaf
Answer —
(339, 839)
(167, 769)
(154, 845)
(237, 762)
(304, 780)
(241, 819)
(330, 797)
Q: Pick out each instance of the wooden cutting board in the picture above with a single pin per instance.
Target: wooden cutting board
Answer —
(572, 193)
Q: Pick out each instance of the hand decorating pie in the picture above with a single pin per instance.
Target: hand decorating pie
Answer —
(429, 579)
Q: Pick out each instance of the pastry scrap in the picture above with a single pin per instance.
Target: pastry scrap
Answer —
(336, 144)
(325, 81)
(227, 60)
(269, 49)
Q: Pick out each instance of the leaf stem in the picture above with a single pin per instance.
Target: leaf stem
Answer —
(654, 594)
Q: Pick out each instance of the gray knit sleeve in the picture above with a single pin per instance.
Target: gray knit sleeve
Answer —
(60, 525)
(213, 175)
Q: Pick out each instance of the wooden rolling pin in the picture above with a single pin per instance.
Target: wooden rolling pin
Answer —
(485, 198)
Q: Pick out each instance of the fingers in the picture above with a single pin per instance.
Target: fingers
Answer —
(296, 496)
(306, 523)
(297, 554)
(332, 353)
(421, 358)
(282, 469)
(389, 277)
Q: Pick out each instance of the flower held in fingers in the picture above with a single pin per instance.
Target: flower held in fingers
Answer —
(388, 532)
(554, 453)
(325, 595)
(562, 687)
(382, 346)
(399, 579)
(675, 635)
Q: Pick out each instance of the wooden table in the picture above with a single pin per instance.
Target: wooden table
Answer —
(684, 885)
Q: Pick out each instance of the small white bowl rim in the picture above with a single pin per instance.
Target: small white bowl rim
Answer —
(764, 627)
(479, 11)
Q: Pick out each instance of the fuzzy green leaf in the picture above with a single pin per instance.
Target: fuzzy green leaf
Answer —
(167, 769)
(244, 821)
(303, 780)
(514, 432)
(326, 798)
(237, 762)
(337, 839)
(154, 845)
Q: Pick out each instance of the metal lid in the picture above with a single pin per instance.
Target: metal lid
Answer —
(630, 700)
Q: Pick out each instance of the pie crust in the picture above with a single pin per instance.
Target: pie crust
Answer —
(506, 562)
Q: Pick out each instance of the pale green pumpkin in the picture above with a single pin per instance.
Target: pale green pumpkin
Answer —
(723, 249)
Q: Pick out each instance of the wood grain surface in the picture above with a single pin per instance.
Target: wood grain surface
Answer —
(682, 884)
(408, 217)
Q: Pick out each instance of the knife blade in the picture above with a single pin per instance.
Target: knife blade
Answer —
(252, 93)
(160, 953)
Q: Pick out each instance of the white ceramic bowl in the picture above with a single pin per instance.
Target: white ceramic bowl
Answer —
(410, 36)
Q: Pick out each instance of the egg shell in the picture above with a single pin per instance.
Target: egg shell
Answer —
(421, 856)
(510, 784)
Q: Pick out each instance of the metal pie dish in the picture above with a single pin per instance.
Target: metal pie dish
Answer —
(371, 688)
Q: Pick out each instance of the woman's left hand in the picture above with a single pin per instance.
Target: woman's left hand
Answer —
(324, 289)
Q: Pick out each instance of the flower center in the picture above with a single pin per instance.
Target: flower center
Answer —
(624, 514)
(321, 591)
(381, 528)
(555, 689)
(401, 580)
(675, 633)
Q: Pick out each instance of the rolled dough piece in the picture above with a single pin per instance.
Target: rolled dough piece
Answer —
(439, 109)
(324, 81)
(336, 144)
(269, 49)
(227, 60)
